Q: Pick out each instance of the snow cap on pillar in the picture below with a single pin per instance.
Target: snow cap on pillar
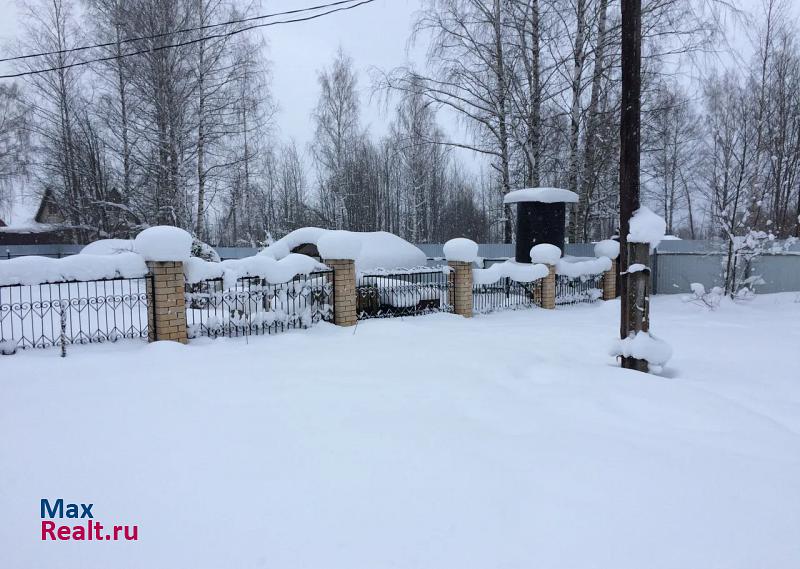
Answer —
(541, 195)
(460, 249)
(545, 253)
(163, 243)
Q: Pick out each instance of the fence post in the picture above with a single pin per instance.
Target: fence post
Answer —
(344, 291)
(610, 282)
(166, 302)
(460, 278)
(549, 288)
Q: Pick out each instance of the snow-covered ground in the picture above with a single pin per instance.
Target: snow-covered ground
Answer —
(506, 441)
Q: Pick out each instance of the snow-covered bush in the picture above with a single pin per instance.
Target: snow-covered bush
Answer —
(710, 299)
(204, 251)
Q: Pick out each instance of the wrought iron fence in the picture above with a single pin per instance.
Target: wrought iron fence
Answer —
(506, 294)
(78, 312)
(403, 293)
(253, 307)
(574, 290)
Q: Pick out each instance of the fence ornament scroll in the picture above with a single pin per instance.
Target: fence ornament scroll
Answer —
(76, 312)
(253, 307)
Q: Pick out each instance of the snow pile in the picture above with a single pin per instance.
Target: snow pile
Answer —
(543, 195)
(339, 245)
(460, 249)
(164, 243)
(644, 346)
(582, 266)
(379, 249)
(607, 248)
(108, 247)
(647, 227)
(519, 272)
(545, 253)
(38, 270)
(261, 266)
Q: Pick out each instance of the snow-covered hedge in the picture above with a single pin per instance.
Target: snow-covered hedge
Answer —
(379, 249)
(519, 272)
(339, 245)
(108, 247)
(39, 270)
(461, 250)
(261, 266)
(581, 267)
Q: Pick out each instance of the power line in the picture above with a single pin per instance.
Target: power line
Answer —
(178, 31)
(338, 8)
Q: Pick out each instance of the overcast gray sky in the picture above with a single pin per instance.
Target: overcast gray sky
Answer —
(374, 35)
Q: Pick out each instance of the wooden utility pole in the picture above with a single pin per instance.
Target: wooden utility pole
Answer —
(634, 293)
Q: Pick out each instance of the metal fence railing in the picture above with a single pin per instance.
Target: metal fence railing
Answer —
(403, 293)
(253, 306)
(575, 290)
(78, 312)
(506, 294)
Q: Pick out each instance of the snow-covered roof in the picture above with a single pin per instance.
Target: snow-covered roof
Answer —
(543, 195)
(379, 249)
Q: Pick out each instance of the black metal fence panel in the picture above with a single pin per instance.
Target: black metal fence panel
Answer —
(253, 307)
(64, 313)
(574, 290)
(404, 293)
(506, 294)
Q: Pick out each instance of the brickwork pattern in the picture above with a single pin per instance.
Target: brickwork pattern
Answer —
(461, 287)
(344, 291)
(166, 302)
(549, 289)
(610, 282)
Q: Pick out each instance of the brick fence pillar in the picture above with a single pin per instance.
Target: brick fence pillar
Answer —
(610, 282)
(344, 291)
(461, 284)
(166, 302)
(549, 289)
